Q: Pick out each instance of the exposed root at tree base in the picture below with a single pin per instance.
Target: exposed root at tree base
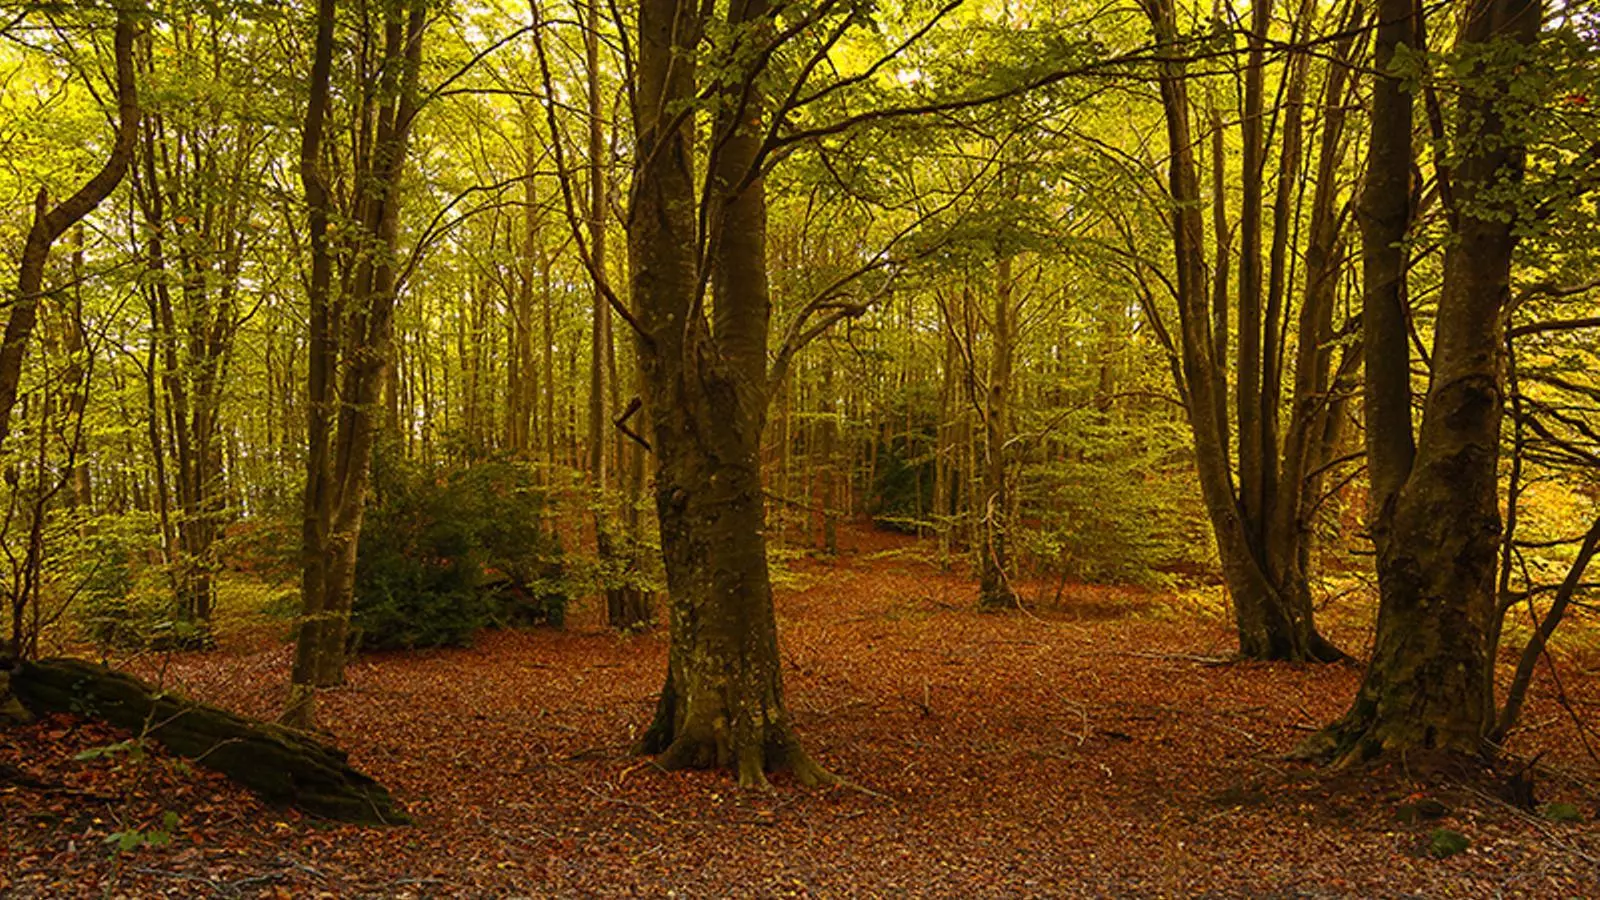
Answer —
(752, 761)
(1354, 742)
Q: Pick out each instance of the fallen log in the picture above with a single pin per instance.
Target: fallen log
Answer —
(282, 765)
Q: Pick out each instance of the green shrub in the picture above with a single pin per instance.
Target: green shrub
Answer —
(445, 553)
(901, 497)
(1122, 512)
(123, 601)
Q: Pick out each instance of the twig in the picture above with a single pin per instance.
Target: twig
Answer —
(183, 876)
(1184, 657)
(1535, 821)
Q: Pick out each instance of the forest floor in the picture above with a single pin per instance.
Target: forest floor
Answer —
(1090, 747)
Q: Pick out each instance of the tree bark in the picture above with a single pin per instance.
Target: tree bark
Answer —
(1434, 506)
(344, 419)
(706, 392)
(49, 223)
(1271, 601)
(994, 582)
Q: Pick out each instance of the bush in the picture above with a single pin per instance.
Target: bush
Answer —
(125, 603)
(901, 496)
(445, 553)
(1126, 513)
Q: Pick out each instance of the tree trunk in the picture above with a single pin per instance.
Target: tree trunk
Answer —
(994, 586)
(1435, 508)
(1271, 603)
(339, 455)
(827, 448)
(283, 766)
(706, 390)
(49, 223)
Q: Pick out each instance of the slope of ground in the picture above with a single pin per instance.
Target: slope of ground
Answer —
(1090, 749)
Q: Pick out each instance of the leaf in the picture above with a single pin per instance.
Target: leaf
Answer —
(1562, 812)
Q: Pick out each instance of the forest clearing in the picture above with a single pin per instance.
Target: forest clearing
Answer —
(1099, 746)
(799, 447)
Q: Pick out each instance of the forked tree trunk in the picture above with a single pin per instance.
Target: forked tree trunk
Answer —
(1435, 502)
(1260, 528)
(348, 357)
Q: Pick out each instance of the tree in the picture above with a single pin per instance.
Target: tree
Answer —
(706, 390)
(1261, 498)
(198, 188)
(1434, 501)
(350, 334)
(49, 223)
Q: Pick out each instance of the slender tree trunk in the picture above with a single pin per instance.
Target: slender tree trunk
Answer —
(994, 587)
(340, 451)
(1272, 605)
(827, 442)
(49, 223)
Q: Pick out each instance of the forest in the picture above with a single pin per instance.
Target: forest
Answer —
(766, 448)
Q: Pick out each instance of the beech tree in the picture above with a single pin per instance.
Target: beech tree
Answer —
(50, 222)
(1435, 512)
(351, 320)
(1260, 493)
(705, 379)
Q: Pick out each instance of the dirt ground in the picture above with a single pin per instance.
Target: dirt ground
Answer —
(1091, 748)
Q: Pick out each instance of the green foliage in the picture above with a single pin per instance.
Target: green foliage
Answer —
(1116, 505)
(445, 553)
(902, 485)
(130, 839)
(1562, 812)
(124, 602)
(1443, 842)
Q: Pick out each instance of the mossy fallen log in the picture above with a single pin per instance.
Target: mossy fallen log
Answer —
(12, 712)
(282, 765)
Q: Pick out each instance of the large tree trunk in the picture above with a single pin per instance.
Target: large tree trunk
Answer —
(1435, 508)
(283, 766)
(723, 700)
(706, 390)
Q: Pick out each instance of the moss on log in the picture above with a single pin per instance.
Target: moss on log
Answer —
(282, 765)
(12, 712)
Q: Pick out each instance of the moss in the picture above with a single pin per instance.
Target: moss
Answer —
(281, 765)
(1443, 842)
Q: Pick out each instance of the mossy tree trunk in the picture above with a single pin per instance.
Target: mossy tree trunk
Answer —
(706, 388)
(282, 765)
(1435, 497)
